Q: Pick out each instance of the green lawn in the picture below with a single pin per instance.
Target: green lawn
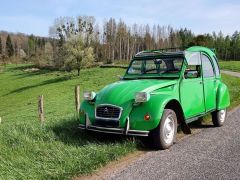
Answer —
(233, 84)
(57, 150)
(230, 65)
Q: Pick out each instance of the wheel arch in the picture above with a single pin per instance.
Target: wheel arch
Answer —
(177, 108)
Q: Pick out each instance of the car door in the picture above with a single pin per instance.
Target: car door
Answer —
(209, 81)
(191, 93)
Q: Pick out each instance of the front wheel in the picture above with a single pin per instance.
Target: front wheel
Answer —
(219, 117)
(164, 135)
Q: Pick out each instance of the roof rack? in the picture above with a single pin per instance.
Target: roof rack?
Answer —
(159, 51)
(175, 49)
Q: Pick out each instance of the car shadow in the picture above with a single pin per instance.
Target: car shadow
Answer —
(200, 124)
(68, 132)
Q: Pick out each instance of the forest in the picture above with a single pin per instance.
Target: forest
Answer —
(76, 43)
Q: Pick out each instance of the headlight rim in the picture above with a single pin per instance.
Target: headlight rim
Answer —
(139, 99)
(91, 97)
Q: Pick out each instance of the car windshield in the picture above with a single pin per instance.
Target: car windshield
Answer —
(163, 67)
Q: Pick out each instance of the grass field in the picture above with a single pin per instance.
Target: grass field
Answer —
(57, 150)
(230, 65)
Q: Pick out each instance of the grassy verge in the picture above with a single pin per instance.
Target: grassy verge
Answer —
(230, 65)
(57, 150)
(233, 84)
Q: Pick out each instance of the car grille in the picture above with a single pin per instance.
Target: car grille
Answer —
(108, 112)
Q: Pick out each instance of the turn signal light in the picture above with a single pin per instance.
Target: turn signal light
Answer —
(147, 117)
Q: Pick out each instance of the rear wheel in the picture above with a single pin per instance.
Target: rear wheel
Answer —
(164, 135)
(219, 117)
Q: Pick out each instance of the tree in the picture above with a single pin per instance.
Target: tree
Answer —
(227, 47)
(31, 46)
(235, 45)
(1, 52)
(78, 56)
(186, 36)
(110, 33)
(9, 47)
(48, 53)
(1, 55)
(200, 40)
(65, 28)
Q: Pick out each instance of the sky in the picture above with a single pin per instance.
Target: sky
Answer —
(201, 16)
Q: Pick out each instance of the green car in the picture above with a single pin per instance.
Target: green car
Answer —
(160, 91)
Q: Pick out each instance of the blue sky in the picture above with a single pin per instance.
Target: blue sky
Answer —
(201, 16)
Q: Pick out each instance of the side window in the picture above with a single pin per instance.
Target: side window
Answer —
(207, 67)
(216, 66)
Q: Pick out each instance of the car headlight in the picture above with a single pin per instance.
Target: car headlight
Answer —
(142, 97)
(89, 95)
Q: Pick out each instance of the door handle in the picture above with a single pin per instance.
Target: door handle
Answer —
(201, 82)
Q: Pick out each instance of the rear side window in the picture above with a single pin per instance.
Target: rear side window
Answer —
(207, 67)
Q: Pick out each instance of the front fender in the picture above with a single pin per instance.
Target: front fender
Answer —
(88, 108)
(223, 97)
(154, 107)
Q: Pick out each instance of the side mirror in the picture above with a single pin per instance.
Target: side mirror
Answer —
(191, 74)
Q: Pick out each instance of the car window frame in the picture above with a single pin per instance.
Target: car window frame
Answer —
(217, 65)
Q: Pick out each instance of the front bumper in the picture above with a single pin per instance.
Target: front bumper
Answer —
(122, 131)
(114, 130)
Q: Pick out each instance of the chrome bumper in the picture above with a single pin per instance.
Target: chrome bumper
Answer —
(114, 130)
(123, 131)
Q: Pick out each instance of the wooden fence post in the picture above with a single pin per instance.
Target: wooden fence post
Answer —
(40, 109)
(77, 98)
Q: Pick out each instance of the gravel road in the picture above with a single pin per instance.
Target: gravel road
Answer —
(213, 153)
(236, 74)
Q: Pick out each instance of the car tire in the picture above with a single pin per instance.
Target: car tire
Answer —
(164, 135)
(219, 117)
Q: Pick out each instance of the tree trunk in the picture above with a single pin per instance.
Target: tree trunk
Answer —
(120, 49)
(78, 70)
(128, 49)
(113, 55)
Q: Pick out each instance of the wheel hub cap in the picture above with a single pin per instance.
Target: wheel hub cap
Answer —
(168, 129)
(222, 115)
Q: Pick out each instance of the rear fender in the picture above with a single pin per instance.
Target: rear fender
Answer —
(223, 97)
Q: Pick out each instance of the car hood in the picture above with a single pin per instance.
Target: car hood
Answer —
(121, 93)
